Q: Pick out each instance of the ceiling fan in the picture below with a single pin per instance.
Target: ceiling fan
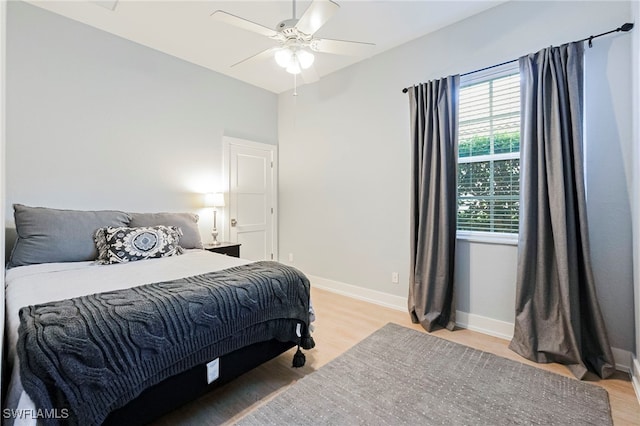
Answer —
(295, 39)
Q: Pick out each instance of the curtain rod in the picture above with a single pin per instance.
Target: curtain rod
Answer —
(625, 28)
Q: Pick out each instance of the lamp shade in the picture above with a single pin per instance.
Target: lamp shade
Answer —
(214, 199)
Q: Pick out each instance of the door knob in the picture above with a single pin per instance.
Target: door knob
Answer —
(234, 222)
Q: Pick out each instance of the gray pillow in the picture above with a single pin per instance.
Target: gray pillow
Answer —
(187, 222)
(50, 235)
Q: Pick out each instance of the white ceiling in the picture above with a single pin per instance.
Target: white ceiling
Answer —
(186, 30)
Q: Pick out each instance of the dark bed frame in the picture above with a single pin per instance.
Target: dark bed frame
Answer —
(177, 390)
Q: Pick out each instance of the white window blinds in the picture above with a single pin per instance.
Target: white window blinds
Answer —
(489, 155)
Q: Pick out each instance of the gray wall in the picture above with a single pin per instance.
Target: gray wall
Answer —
(609, 172)
(345, 159)
(98, 122)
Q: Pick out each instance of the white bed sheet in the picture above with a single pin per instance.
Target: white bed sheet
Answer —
(34, 284)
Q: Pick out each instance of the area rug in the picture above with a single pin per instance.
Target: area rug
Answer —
(402, 376)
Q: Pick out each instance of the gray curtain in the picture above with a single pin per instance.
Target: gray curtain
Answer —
(558, 318)
(434, 131)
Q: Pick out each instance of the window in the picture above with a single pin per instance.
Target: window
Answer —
(489, 153)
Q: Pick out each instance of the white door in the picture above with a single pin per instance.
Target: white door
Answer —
(252, 198)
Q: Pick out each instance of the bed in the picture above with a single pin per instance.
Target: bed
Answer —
(184, 323)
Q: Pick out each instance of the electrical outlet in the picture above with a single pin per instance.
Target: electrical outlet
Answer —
(291, 257)
(395, 278)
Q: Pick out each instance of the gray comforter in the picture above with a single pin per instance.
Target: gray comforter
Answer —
(92, 354)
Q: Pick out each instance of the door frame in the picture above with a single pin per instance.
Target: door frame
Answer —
(227, 142)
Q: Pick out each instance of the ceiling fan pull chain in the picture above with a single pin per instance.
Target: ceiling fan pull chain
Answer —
(294, 9)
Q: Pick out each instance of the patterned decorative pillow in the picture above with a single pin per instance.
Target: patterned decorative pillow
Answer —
(124, 244)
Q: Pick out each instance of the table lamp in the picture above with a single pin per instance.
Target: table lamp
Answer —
(214, 200)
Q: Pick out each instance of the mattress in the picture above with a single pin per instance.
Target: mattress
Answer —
(34, 284)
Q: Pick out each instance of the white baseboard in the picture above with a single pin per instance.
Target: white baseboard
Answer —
(485, 325)
(372, 296)
(623, 359)
(479, 323)
(635, 377)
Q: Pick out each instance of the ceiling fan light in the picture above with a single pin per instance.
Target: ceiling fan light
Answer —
(294, 67)
(284, 57)
(305, 58)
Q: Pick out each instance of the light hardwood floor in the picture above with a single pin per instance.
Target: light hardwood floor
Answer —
(341, 323)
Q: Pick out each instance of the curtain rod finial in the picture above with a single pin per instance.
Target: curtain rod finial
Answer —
(627, 27)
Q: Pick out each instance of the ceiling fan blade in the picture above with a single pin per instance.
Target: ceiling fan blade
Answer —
(316, 15)
(245, 24)
(309, 75)
(261, 56)
(341, 47)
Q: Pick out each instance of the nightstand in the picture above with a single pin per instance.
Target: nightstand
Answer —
(230, 249)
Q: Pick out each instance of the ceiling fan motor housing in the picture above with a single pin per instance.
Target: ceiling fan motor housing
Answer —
(289, 30)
